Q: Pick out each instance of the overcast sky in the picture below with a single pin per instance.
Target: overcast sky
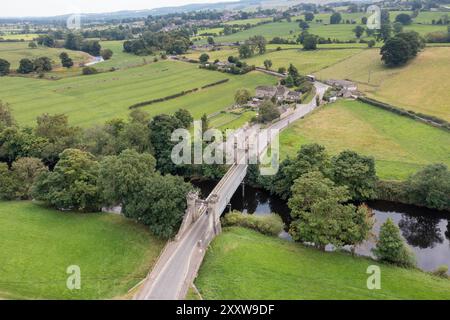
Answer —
(42, 8)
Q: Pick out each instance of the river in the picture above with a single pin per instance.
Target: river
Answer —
(426, 231)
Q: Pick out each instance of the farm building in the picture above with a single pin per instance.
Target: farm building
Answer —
(280, 93)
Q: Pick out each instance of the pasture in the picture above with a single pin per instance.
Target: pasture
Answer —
(305, 61)
(89, 100)
(422, 85)
(243, 264)
(15, 51)
(121, 59)
(400, 146)
(39, 244)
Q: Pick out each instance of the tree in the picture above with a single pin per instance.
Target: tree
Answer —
(364, 20)
(205, 123)
(322, 216)
(267, 64)
(92, 47)
(245, 51)
(8, 184)
(359, 31)
(32, 45)
(25, 66)
(310, 42)
(73, 41)
(371, 43)
(242, 96)
(310, 157)
(309, 16)
(73, 183)
(390, 246)
(122, 177)
(46, 40)
(204, 58)
(211, 41)
(25, 172)
(106, 54)
(268, 111)
(385, 28)
(185, 117)
(4, 67)
(66, 62)
(404, 19)
(257, 43)
(398, 27)
(42, 64)
(430, 187)
(357, 173)
(414, 40)
(335, 18)
(395, 52)
(303, 25)
(161, 128)
(6, 117)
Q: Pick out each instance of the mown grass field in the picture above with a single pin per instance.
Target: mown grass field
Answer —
(13, 52)
(89, 100)
(24, 37)
(243, 264)
(39, 244)
(121, 59)
(305, 61)
(224, 121)
(422, 85)
(400, 146)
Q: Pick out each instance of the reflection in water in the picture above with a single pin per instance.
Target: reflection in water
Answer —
(421, 232)
(423, 229)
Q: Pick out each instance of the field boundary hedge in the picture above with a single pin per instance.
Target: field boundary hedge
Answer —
(430, 120)
(176, 95)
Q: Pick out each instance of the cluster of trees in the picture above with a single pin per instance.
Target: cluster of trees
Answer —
(175, 42)
(348, 169)
(121, 162)
(38, 65)
(429, 187)
(401, 48)
(4, 67)
(75, 41)
(255, 44)
(295, 79)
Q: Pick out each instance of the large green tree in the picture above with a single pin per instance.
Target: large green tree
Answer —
(72, 185)
(4, 67)
(25, 66)
(356, 172)
(322, 215)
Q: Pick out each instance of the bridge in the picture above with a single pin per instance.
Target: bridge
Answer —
(179, 262)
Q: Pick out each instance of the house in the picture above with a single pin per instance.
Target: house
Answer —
(280, 93)
(347, 89)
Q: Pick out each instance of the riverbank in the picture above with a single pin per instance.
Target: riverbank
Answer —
(243, 264)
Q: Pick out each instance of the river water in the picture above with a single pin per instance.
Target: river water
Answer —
(427, 232)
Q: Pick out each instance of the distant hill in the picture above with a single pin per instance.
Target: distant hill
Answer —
(119, 15)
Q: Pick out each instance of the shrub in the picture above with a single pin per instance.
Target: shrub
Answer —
(441, 272)
(269, 225)
(391, 248)
(89, 70)
(106, 54)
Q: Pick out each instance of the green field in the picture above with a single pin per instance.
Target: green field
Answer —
(243, 264)
(94, 99)
(421, 86)
(39, 244)
(121, 59)
(248, 21)
(305, 61)
(13, 52)
(224, 121)
(24, 37)
(400, 146)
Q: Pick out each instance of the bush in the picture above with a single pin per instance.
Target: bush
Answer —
(89, 70)
(106, 54)
(441, 272)
(270, 225)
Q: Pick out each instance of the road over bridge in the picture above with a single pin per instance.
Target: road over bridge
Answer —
(179, 262)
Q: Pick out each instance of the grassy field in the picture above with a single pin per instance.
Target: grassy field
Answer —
(120, 59)
(243, 264)
(400, 146)
(305, 61)
(39, 244)
(228, 120)
(248, 21)
(421, 86)
(24, 37)
(15, 51)
(94, 99)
